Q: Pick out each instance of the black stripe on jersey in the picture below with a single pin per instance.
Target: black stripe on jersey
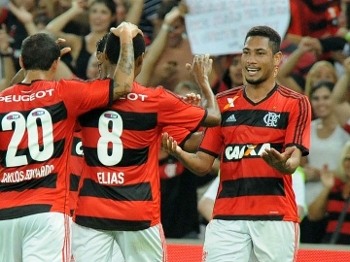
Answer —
(256, 118)
(131, 157)
(253, 186)
(15, 212)
(136, 192)
(58, 112)
(74, 151)
(74, 182)
(48, 181)
(262, 217)
(131, 121)
(112, 224)
(58, 151)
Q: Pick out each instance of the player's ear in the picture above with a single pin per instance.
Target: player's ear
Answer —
(139, 60)
(21, 62)
(277, 58)
(55, 64)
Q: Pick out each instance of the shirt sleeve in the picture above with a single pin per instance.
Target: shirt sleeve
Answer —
(298, 130)
(212, 141)
(178, 133)
(82, 96)
(176, 112)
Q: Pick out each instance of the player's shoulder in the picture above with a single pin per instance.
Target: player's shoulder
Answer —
(230, 92)
(289, 93)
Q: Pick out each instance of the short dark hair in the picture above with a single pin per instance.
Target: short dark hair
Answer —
(268, 32)
(110, 4)
(322, 83)
(100, 45)
(113, 47)
(39, 51)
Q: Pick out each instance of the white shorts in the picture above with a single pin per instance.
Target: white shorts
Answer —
(40, 237)
(251, 241)
(146, 245)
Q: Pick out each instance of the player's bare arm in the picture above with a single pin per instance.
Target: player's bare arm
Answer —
(124, 72)
(286, 162)
(200, 69)
(199, 163)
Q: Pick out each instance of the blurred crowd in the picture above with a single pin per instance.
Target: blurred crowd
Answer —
(315, 62)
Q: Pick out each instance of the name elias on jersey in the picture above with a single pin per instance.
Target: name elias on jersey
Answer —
(237, 152)
(26, 97)
(110, 178)
(25, 175)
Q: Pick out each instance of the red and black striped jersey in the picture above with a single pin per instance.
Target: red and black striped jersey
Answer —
(36, 129)
(249, 188)
(76, 160)
(336, 203)
(119, 188)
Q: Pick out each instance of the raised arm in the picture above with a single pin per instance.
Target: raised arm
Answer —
(307, 44)
(7, 58)
(124, 71)
(340, 95)
(157, 47)
(57, 24)
(25, 17)
(200, 69)
(135, 11)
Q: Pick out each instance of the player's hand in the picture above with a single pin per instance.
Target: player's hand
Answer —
(126, 26)
(327, 177)
(21, 13)
(169, 145)
(194, 99)
(201, 66)
(280, 161)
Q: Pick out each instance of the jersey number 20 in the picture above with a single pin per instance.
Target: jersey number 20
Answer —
(16, 121)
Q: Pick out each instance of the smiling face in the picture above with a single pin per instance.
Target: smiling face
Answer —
(321, 102)
(100, 17)
(258, 60)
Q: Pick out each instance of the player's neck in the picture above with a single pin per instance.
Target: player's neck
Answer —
(32, 75)
(258, 92)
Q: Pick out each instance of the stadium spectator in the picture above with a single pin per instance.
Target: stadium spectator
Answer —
(101, 18)
(333, 200)
(326, 140)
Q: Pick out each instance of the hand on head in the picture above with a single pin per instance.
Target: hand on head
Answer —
(126, 26)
